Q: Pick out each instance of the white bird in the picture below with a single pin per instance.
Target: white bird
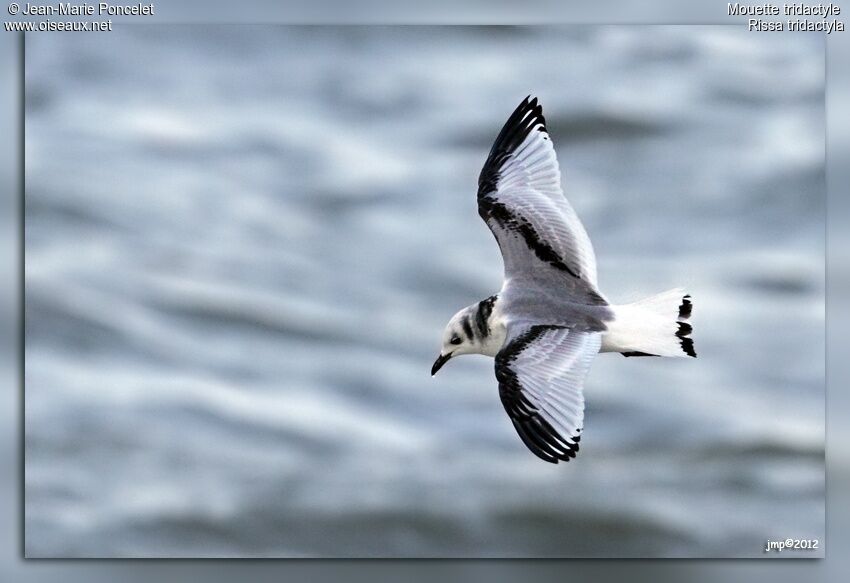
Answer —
(549, 320)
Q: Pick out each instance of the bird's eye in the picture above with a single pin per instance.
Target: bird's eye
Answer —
(455, 340)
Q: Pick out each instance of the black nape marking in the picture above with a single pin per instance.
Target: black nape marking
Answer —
(467, 328)
(686, 307)
(687, 343)
(536, 433)
(482, 316)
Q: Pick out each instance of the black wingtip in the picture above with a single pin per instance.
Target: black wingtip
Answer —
(527, 116)
(544, 441)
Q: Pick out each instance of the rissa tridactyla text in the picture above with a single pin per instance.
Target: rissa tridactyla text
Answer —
(549, 320)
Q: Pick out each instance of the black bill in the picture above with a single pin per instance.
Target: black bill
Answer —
(438, 364)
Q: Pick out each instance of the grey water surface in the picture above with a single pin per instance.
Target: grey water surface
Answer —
(243, 243)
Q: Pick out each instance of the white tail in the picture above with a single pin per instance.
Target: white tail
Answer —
(655, 326)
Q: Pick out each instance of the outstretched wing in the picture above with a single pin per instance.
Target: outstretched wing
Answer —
(541, 371)
(520, 199)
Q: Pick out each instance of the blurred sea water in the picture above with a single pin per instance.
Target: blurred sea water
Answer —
(243, 242)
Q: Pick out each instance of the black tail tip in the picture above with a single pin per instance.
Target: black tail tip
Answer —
(686, 307)
(687, 343)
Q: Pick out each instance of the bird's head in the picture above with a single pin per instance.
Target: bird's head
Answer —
(459, 337)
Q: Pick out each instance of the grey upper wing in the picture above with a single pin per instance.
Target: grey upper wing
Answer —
(520, 199)
(541, 372)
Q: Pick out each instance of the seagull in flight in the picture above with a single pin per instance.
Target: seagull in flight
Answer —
(549, 320)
